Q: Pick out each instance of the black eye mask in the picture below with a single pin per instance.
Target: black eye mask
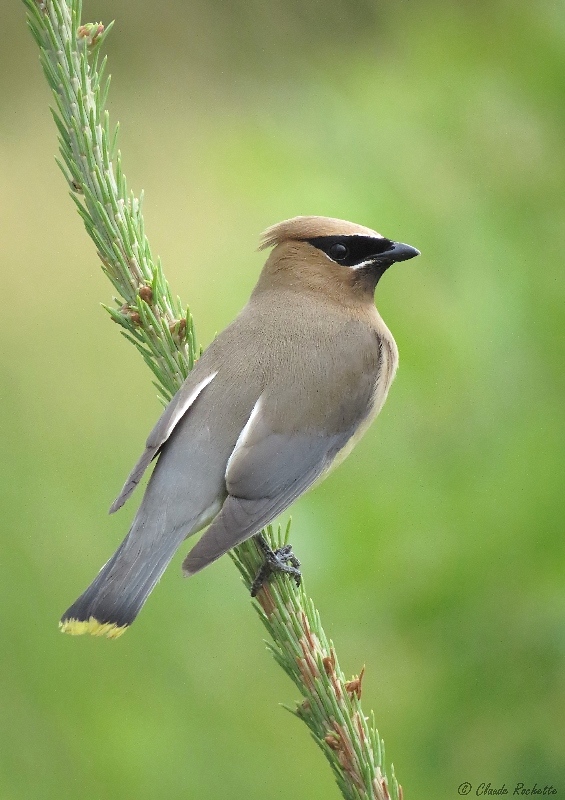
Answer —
(351, 250)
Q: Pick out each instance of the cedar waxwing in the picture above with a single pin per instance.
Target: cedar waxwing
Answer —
(278, 398)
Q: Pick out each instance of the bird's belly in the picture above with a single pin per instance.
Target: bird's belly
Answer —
(384, 379)
(362, 428)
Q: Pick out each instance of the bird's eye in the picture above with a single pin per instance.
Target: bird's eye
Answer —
(338, 252)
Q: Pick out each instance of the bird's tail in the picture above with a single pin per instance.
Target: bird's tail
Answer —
(115, 597)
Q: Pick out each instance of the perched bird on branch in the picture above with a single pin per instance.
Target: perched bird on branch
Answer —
(278, 399)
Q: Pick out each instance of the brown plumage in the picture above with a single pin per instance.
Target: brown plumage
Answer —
(304, 228)
(278, 398)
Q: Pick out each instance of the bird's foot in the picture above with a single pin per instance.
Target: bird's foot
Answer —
(280, 560)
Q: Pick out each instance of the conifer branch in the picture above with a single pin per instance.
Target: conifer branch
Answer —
(163, 331)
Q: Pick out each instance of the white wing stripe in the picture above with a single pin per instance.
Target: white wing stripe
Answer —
(182, 408)
(244, 433)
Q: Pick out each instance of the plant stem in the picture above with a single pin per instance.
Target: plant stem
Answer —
(163, 332)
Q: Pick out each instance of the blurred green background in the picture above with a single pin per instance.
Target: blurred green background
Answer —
(436, 552)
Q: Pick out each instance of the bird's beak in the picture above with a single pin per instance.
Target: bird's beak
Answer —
(399, 252)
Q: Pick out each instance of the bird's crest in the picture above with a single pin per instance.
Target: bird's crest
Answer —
(301, 228)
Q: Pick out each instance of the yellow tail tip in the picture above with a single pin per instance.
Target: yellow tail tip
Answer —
(77, 627)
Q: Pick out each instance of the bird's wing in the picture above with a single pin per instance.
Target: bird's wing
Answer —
(170, 417)
(266, 472)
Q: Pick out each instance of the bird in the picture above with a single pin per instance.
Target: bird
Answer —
(275, 402)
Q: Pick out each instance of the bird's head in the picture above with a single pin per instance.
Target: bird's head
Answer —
(322, 253)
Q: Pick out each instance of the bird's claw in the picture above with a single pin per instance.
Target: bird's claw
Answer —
(280, 560)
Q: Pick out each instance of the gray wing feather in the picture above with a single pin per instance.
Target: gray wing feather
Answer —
(263, 480)
(168, 420)
(266, 463)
